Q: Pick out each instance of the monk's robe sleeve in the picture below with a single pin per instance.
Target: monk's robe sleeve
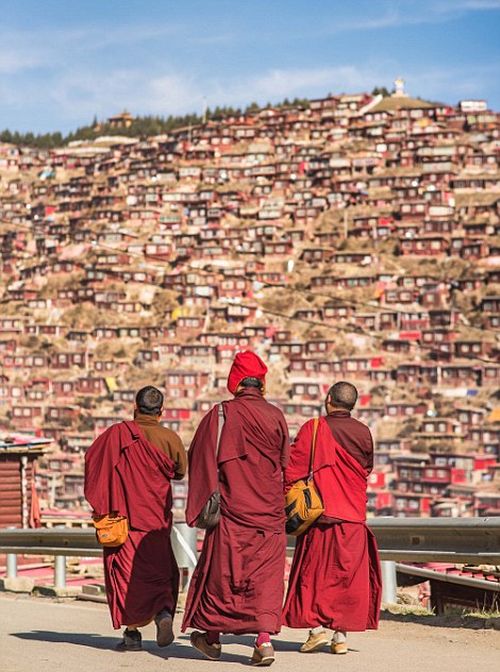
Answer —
(178, 453)
(370, 451)
(102, 488)
(300, 454)
(285, 445)
(203, 474)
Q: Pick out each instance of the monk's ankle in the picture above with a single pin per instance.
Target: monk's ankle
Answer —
(213, 637)
(262, 638)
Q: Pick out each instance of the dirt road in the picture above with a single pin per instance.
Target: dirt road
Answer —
(42, 635)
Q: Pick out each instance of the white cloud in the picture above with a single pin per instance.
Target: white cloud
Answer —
(476, 4)
(22, 50)
(77, 95)
(17, 55)
(62, 72)
(452, 83)
(11, 62)
(175, 94)
(280, 83)
(400, 13)
(80, 95)
(437, 83)
(94, 39)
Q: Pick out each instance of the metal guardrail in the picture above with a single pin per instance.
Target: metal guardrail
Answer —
(61, 542)
(470, 540)
(51, 541)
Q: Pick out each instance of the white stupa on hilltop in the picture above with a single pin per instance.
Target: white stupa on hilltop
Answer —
(399, 88)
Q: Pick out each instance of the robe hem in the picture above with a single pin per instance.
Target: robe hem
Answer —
(224, 631)
(330, 626)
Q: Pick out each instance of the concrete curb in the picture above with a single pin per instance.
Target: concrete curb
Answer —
(52, 591)
(17, 584)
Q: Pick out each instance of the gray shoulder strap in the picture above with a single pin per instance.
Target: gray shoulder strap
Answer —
(220, 425)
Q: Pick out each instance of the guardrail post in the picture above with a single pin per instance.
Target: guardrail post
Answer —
(11, 565)
(389, 583)
(60, 571)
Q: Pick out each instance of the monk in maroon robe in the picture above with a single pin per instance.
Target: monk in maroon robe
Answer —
(128, 470)
(238, 584)
(335, 575)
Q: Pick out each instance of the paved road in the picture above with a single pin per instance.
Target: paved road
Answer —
(43, 635)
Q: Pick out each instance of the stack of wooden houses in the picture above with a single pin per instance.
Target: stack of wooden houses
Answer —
(355, 238)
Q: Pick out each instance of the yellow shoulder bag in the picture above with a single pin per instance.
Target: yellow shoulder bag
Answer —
(111, 530)
(303, 504)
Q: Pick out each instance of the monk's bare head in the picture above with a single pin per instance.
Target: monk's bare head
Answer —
(149, 401)
(251, 382)
(341, 396)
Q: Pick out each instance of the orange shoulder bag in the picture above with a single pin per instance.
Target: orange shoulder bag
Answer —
(303, 504)
(111, 530)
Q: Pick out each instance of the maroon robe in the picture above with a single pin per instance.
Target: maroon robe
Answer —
(126, 474)
(335, 575)
(237, 586)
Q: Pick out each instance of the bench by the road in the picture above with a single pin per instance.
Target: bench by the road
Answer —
(42, 635)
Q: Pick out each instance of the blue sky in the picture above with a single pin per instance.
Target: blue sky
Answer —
(62, 61)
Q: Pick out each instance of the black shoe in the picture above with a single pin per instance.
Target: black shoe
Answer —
(263, 655)
(132, 641)
(164, 629)
(199, 641)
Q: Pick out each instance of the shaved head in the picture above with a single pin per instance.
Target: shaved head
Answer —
(149, 400)
(343, 395)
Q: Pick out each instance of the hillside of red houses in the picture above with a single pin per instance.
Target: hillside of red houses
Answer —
(356, 238)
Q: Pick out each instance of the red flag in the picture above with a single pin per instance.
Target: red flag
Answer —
(35, 515)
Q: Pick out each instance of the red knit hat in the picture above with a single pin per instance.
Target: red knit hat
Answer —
(246, 365)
